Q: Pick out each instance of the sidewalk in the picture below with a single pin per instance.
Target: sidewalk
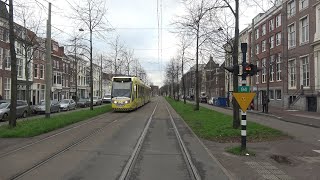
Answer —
(294, 158)
(306, 118)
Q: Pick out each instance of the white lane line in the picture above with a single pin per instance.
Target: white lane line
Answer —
(318, 151)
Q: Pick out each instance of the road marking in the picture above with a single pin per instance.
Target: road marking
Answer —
(318, 151)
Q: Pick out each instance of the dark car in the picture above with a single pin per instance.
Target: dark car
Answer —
(83, 103)
(22, 109)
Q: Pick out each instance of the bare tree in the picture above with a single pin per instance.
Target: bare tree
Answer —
(194, 24)
(91, 14)
(128, 60)
(13, 110)
(183, 44)
(116, 50)
(29, 42)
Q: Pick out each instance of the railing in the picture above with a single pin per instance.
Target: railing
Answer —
(297, 94)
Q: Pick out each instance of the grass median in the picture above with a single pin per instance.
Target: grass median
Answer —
(216, 126)
(42, 125)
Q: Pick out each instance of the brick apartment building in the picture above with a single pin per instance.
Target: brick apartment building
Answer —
(285, 43)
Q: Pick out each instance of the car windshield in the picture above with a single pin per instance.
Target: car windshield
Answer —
(120, 89)
(65, 101)
(107, 96)
(83, 100)
(4, 105)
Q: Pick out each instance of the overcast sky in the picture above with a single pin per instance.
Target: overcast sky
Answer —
(135, 21)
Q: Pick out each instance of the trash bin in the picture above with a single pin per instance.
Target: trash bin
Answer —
(222, 102)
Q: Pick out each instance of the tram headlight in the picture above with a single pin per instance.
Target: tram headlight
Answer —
(126, 102)
(115, 102)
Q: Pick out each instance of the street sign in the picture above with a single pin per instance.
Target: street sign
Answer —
(244, 89)
(244, 99)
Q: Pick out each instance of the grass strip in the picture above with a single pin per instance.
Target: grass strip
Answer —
(238, 151)
(42, 125)
(216, 126)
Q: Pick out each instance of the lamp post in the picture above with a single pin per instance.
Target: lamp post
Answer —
(91, 71)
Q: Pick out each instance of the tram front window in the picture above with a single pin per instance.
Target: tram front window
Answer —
(120, 89)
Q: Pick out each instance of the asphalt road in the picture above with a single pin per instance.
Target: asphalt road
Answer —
(101, 148)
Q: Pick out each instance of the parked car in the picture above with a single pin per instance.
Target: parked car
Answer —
(97, 101)
(203, 98)
(106, 98)
(22, 109)
(41, 108)
(67, 104)
(83, 103)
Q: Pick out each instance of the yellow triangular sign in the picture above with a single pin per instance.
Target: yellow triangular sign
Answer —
(244, 99)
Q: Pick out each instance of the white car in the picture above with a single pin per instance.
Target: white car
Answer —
(211, 101)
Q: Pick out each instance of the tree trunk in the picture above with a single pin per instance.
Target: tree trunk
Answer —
(178, 90)
(13, 110)
(197, 70)
(27, 78)
(183, 85)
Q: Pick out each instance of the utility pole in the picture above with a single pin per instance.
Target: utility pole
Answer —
(236, 118)
(48, 65)
(13, 110)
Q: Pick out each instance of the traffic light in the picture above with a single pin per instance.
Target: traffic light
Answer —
(250, 69)
(233, 69)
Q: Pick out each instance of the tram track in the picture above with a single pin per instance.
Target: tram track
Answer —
(130, 165)
(49, 137)
(64, 149)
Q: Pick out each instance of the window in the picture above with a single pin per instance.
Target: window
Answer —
(257, 33)
(278, 38)
(305, 71)
(271, 40)
(19, 67)
(36, 70)
(292, 73)
(257, 76)
(271, 94)
(58, 78)
(1, 57)
(303, 4)
(278, 20)
(264, 71)
(278, 67)
(263, 46)
(62, 80)
(271, 68)
(2, 33)
(8, 60)
(19, 48)
(7, 87)
(292, 36)
(41, 71)
(291, 8)
(264, 29)
(257, 48)
(304, 35)
(271, 24)
(278, 94)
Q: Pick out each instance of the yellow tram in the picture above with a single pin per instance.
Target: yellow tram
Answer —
(128, 93)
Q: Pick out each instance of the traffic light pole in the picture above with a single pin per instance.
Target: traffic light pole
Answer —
(244, 83)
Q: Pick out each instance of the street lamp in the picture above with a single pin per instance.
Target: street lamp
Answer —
(91, 71)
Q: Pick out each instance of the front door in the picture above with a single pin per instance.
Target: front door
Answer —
(312, 104)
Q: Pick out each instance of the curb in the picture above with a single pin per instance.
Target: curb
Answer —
(280, 118)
